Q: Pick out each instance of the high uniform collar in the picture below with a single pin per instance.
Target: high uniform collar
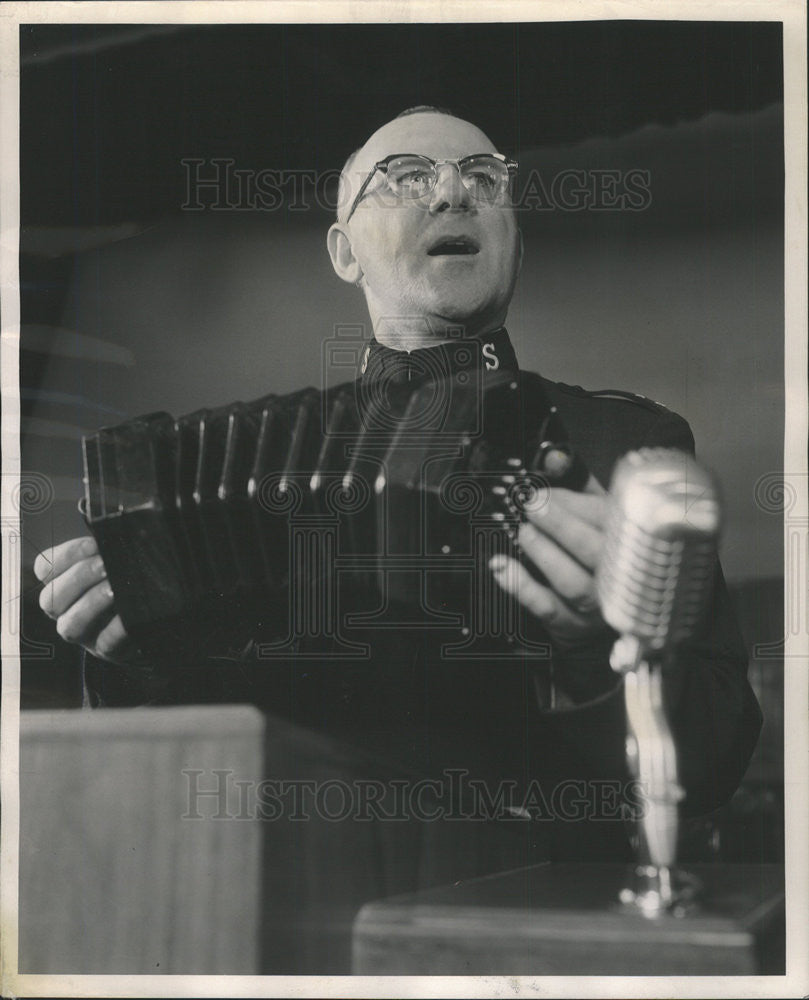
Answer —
(490, 352)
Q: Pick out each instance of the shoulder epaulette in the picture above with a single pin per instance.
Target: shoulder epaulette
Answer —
(631, 397)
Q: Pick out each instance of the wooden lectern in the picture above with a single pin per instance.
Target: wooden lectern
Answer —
(566, 920)
(123, 869)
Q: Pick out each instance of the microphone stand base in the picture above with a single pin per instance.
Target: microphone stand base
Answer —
(659, 890)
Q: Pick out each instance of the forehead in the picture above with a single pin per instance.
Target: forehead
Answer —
(435, 135)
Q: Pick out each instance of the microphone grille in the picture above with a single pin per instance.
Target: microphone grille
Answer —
(660, 546)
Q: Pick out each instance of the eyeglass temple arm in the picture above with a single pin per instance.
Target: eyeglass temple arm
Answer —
(380, 165)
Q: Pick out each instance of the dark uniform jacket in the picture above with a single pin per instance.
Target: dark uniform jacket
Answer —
(411, 710)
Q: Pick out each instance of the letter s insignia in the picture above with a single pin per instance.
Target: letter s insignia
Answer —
(492, 361)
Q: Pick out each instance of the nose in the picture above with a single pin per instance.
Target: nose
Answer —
(449, 193)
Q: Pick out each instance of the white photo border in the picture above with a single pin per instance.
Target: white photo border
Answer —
(792, 13)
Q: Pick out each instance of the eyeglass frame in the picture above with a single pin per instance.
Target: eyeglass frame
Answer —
(382, 165)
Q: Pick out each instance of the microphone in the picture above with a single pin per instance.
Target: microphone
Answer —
(660, 545)
(653, 582)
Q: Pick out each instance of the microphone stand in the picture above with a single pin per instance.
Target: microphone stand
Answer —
(574, 919)
(652, 759)
(656, 568)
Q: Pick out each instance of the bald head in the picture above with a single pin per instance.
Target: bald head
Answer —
(430, 262)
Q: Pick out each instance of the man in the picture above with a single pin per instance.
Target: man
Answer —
(414, 298)
(434, 246)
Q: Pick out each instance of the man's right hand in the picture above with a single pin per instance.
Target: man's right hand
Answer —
(78, 596)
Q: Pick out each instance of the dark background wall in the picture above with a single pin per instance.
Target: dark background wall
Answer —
(131, 303)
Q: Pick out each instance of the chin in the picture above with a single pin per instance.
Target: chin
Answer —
(465, 309)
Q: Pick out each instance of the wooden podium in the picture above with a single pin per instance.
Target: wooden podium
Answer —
(121, 871)
(566, 920)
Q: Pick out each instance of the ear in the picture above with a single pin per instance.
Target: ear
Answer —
(522, 250)
(343, 261)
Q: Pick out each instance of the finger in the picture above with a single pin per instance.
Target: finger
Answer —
(59, 593)
(558, 503)
(84, 620)
(594, 487)
(565, 575)
(541, 601)
(575, 522)
(52, 562)
(113, 642)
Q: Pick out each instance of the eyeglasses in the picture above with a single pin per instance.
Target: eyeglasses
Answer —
(410, 175)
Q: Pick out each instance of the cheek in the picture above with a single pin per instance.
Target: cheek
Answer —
(389, 256)
(510, 256)
(379, 243)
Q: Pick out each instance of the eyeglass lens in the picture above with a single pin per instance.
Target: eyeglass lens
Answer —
(483, 176)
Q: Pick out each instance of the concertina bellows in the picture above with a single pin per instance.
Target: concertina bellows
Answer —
(212, 525)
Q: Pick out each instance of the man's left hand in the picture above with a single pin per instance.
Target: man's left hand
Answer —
(564, 539)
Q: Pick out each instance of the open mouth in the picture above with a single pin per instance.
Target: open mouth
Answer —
(461, 246)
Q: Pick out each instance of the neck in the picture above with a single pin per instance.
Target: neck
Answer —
(411, 333)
